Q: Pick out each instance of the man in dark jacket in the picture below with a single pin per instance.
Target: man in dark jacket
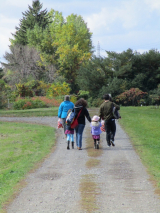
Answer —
(105, 113)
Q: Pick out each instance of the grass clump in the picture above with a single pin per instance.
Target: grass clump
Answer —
(143, 126)
(21, 147)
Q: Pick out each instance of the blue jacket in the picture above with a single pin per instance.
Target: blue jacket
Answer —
(64, 107)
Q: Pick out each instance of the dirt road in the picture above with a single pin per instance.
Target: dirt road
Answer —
(122, 180)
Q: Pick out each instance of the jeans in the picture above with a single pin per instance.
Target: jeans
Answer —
(79, 131)
(70, 137)
(110, 127)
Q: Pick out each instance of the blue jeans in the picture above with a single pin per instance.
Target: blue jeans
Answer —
(79, 131)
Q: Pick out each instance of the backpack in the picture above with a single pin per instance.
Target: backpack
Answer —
(115, 112)
(70, 117)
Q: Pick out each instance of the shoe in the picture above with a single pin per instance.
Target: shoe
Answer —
(108, 144)
(79, 148)
(112, 142)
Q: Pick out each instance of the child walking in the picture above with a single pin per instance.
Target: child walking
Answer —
(70, 133)
(96, 130)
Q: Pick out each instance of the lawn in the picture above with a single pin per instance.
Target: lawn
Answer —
(22, 146)
(142, 124)
(52, 111)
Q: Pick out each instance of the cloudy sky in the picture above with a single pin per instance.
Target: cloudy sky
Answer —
(116, 24)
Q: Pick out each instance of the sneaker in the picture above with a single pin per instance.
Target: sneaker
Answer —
(112, 142)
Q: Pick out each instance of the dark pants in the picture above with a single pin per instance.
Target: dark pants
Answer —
(110, 127)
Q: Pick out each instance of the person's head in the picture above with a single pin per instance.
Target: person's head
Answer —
(66, 98)
(106, 97)
(81, 102)
(95, 118)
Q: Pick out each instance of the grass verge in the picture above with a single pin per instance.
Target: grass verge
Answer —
(22, 146)
(52, 111)
(142, 124)
(89, 191)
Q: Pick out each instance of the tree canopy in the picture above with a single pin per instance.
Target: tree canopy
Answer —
(30, 18)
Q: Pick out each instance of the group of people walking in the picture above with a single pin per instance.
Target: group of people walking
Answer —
(80, 109)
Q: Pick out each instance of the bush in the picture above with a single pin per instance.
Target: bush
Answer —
(28, 104)
(35, 102)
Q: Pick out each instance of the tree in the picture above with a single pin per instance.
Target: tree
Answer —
(22, 65)
(68, 44)
(93, 75)
(30, 18)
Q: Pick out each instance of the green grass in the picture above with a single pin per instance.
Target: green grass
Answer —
(53, 111)
(22, 146)
(143, 126)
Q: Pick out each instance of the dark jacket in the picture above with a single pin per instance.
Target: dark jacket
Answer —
(84, 113)
(105, 111)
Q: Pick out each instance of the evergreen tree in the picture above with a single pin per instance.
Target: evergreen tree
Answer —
(30, 18)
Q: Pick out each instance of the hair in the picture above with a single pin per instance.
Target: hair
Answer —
(106, 97)
(81, 102)
(66, 97)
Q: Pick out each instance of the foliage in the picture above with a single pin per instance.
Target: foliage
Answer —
(94, 102)
(3, 95)
(35, 102)
(30, 18)
(93, 75)
(32, 88)
(83, 94)
(73, 98)
(28, 104)
(58, 89)
(131, 97)
(155, 95)
(1, 72)
(65, 42)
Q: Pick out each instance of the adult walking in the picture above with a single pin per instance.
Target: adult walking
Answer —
(80, 106)
(105, 113)
(63, 109)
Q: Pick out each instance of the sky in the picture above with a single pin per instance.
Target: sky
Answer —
(116, 25)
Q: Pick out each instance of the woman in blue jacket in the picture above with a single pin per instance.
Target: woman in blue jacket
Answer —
(63, 109)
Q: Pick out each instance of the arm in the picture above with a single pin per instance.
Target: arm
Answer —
(100, 113)
(117, 106)
(87, 115)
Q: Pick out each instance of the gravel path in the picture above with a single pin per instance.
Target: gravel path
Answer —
(124, 185)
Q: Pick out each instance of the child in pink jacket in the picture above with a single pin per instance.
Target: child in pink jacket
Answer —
(96, 131)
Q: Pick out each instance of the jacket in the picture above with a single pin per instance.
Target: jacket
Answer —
(64, 107)
(84, 113)
(95, 128)
(105, 111)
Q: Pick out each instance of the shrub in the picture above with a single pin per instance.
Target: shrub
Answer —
(131, 97)
(28, 104)
(35, 102)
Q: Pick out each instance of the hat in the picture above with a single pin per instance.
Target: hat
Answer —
(66, 97)
(95, 118)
